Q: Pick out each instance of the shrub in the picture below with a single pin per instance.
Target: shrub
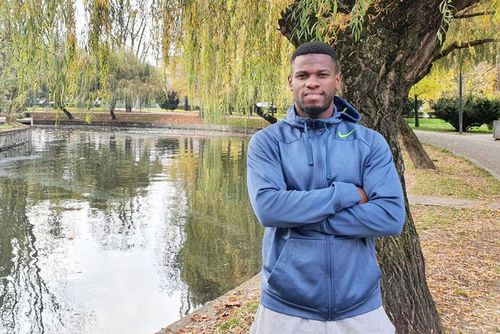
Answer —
(476, 111)
(167, 99)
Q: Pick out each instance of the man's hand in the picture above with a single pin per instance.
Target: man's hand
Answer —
(364, 198)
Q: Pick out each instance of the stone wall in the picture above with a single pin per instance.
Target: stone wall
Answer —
(14, 137)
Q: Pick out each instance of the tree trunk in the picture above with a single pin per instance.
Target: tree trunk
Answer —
(397, 46)
(66, 111)
(417, 122)
(112, 107)
(264, 114)
(418, 156)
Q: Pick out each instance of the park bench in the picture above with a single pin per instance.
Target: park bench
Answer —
(3, 120)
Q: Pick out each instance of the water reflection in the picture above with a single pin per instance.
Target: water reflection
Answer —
(104, 232)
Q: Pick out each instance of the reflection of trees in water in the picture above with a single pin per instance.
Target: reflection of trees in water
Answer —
(181, 171)
(109, 172)
(24, 296)
(208, 216)
(112, 173)
(222, 247)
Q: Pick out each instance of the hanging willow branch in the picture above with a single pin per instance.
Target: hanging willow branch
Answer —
(232, 52)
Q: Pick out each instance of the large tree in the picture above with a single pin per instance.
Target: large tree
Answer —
(394, 47)
(385, 47)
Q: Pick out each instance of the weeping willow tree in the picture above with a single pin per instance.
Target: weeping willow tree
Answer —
(42, 53)
(40, 42)
(233, 55)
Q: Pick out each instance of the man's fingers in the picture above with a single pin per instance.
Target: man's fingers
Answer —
(364, 198)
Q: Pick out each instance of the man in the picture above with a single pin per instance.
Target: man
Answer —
(324, 187)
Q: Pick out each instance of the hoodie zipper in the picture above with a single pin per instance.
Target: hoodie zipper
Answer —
(331, 315)
(321, 177)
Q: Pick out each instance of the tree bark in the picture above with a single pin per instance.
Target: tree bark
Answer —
(418, 156)
(112, 109)
(396, 49)
(417, 122)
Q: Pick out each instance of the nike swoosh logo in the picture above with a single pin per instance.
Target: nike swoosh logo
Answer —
(341, 135)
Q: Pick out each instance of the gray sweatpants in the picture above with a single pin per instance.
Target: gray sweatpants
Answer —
(270, 322)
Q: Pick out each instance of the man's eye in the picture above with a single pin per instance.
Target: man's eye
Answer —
(301, 76)
(323, 75)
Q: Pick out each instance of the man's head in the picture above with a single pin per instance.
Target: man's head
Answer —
(314, 79)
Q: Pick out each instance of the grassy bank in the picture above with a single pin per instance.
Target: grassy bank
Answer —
(435, 124)
(9, 126)
(460, 247)
(455, 177)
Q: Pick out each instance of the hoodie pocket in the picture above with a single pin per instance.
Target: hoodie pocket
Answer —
(356, 271)
(298, 276)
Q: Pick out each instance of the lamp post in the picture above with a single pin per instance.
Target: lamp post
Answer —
(460, 98)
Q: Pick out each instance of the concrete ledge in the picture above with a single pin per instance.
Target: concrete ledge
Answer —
(164, 120)
(14, 137)
(26, 120)
(151, 125)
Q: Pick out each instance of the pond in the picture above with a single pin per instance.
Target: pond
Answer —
(114, 231)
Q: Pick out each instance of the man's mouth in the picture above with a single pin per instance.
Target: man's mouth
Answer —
(313, 95)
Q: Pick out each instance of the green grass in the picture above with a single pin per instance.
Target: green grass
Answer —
(8, 126)
(243, 122)
(455, 177)
(252, 306)
(435, 124)
(229, 324)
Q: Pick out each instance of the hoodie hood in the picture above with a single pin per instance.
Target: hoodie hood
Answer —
(343, 110)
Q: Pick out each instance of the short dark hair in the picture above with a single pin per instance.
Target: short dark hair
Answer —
(316, 47)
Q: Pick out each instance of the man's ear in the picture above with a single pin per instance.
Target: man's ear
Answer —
(290, 81)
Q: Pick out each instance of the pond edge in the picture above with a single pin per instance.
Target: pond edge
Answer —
(14, 137)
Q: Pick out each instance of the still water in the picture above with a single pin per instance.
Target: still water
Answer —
(120, 231)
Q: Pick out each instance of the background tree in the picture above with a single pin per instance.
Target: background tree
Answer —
(39, 40)
(130, 81)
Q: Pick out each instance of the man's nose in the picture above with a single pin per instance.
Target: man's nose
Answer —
(312, 82)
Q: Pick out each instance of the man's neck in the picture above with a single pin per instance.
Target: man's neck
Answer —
(325, 114)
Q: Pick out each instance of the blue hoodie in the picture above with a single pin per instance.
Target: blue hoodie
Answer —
(318, 250)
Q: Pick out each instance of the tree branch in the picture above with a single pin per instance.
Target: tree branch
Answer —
(459, 45)
(467, 15)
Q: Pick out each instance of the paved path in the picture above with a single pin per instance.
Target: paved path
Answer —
(480, 148)
(453, 202)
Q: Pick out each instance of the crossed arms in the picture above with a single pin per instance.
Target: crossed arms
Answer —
(339, 209)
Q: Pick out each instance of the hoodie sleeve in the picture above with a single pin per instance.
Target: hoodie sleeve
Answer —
(274, 205)
(384, 213)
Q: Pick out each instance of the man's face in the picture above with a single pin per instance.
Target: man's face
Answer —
(314, 82)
